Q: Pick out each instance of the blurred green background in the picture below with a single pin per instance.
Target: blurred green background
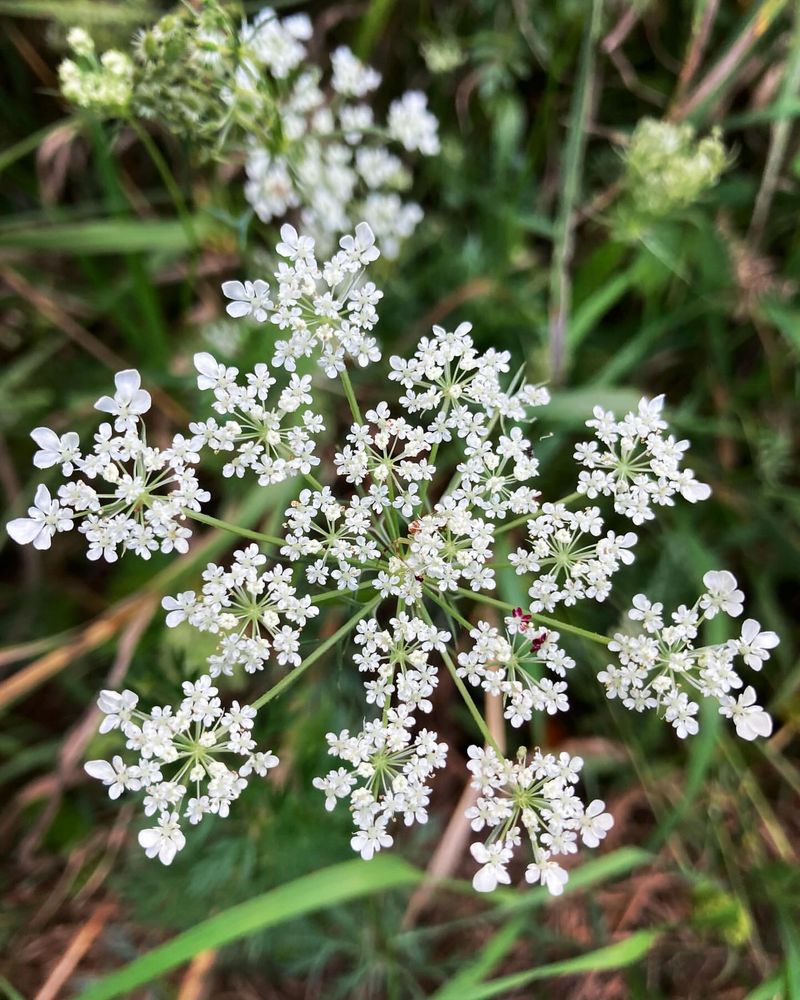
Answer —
(532, 233)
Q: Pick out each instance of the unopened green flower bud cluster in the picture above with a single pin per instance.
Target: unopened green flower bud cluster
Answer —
(667, 168)
(176, 72)
(103, 84)
(183, 63)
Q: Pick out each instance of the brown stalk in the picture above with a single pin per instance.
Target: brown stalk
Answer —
(196, 983)
(76, 741)
(103, 628)
(80, 944)
(696, 50)
(727, 66)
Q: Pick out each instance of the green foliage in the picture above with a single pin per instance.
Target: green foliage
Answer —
(321, 889)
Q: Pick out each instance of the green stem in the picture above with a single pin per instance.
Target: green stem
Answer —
(571, 172)
(432, 457)
(447, 608)
(543, 619)
(320, 651)
(215, 522)
(343, 595)
(313, 481)
(169, 181)
(347, 385)
(466, 696)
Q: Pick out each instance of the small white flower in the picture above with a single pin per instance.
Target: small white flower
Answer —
(722, 594)
(750, 719)
(595, 823)
(552, 876)
(128, 403)
(44, 519)
(116, 776)
(293, 246)
(493, 860)
(56, 449)
(165, 840)
(369, 840)
(249, 298)
(412, 124)
(117, 707)
(753, 645)
(360, 248)
(179, 608)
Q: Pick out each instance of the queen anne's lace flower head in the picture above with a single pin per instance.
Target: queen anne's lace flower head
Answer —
(514, 665)
(406, 523)
(269, 433)
(572, 557)
(253, 609)
(637, 464)
(334, 164)
(390, 765)
(327, 310)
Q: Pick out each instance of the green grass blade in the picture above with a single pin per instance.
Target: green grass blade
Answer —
(791, 947)
(701, 756)
(372, 24)
(560, 282)
(9, 991)
(83, 11)
(103, 236)
(329, 887)
(492, 953)
(592, 873)
(612, 956)
(571, 407)
(771, 989)
(590, 312)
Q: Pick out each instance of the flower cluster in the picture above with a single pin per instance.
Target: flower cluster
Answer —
(667, 168)
(448, 375)
(328, 310)
(248, 90)
(535, 793)
(511, 665)
(255, 611)
(259, 436)
(178, 754)
(400, 659)
(335, 534)
(386, 452)
(404, 525)
(388, 777)
(640, 467)
(451, 546)
(130, 496)
(333, 163)
(390, 766)
(569, 569)
(662, 668)
(103, 84)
